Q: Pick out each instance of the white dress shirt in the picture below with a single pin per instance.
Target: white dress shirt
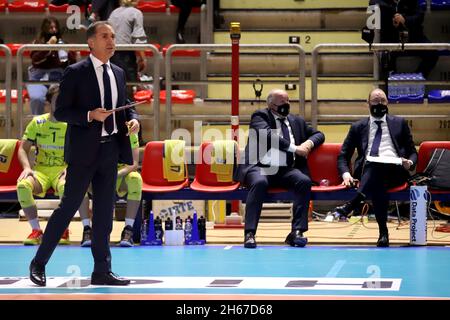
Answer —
(387, 148)
(98, 67)
(276, 157)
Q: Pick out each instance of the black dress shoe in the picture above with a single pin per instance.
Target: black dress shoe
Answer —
(37, 274)
(383, 240)
(108, 279)
(296, 239)
(180, 38)
(344, 210)
(249, 240)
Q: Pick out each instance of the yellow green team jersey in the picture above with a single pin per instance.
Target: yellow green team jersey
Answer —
(49, 138)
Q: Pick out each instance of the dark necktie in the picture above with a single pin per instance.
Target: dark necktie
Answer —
(109, 123)
(286, 136)
(377, 140)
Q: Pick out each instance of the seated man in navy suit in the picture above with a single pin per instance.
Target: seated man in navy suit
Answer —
(379, 138)
(275, 156)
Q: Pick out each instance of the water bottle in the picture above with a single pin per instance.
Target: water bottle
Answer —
(392, 87)
(178, 223)
(144, 230)
(62, 54)
(158, 229)
(188, 229)
(168, 225)
(201, 223)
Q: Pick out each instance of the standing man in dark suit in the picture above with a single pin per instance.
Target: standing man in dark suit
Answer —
(401, 17)
(96, 138)
(379, 135)
(275, 156)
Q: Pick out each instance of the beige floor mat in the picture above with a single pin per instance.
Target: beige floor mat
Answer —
(357, 233)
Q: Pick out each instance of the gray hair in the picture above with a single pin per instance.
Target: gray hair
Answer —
(271, 95)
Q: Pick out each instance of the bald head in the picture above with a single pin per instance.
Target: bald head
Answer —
(277, 97)
(377, 96)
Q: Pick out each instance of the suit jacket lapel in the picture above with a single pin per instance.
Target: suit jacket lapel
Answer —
(273, 123)
(295, 129)
(392, 133)
(92, 78)
(119, 84)
(365, 134)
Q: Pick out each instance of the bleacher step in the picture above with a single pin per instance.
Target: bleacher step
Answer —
(307, 39)
(290, 4)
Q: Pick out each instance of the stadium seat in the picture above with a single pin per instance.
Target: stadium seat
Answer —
(13, 95)
(322, 164)
(179, 96)
(8, 180)
(143, 95)
(426, 149)
(152, 170)
(439, 96)
(159, 6)
(14, 47)
(84, 53)
(3, 4)
(399, 188)
(205, 180)
(182, 53)
(62, 8)
(174, 9)
(149, 53)
(152, 6)
(27, 6)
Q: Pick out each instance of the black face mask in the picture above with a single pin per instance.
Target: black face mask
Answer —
(378, 110)
(283, 109)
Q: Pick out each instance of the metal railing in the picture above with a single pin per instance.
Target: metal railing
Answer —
(8, 105)
(210, 47)
(157, 56)
(375, 47)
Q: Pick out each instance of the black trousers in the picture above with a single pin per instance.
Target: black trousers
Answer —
(185, 11)
(127, 61)
(290, 178)
(376, 180)
(104, 7)
(102, 173)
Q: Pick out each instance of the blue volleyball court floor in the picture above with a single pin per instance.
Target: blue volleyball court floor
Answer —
(221, 272)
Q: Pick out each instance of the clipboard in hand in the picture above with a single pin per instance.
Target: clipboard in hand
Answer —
(127, 106)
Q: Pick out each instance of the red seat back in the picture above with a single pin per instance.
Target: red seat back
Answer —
(203, 172)
(178, 96)
(426, 150)
(15, 168)
(322, 163)
(152, 165)
(27, 6)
